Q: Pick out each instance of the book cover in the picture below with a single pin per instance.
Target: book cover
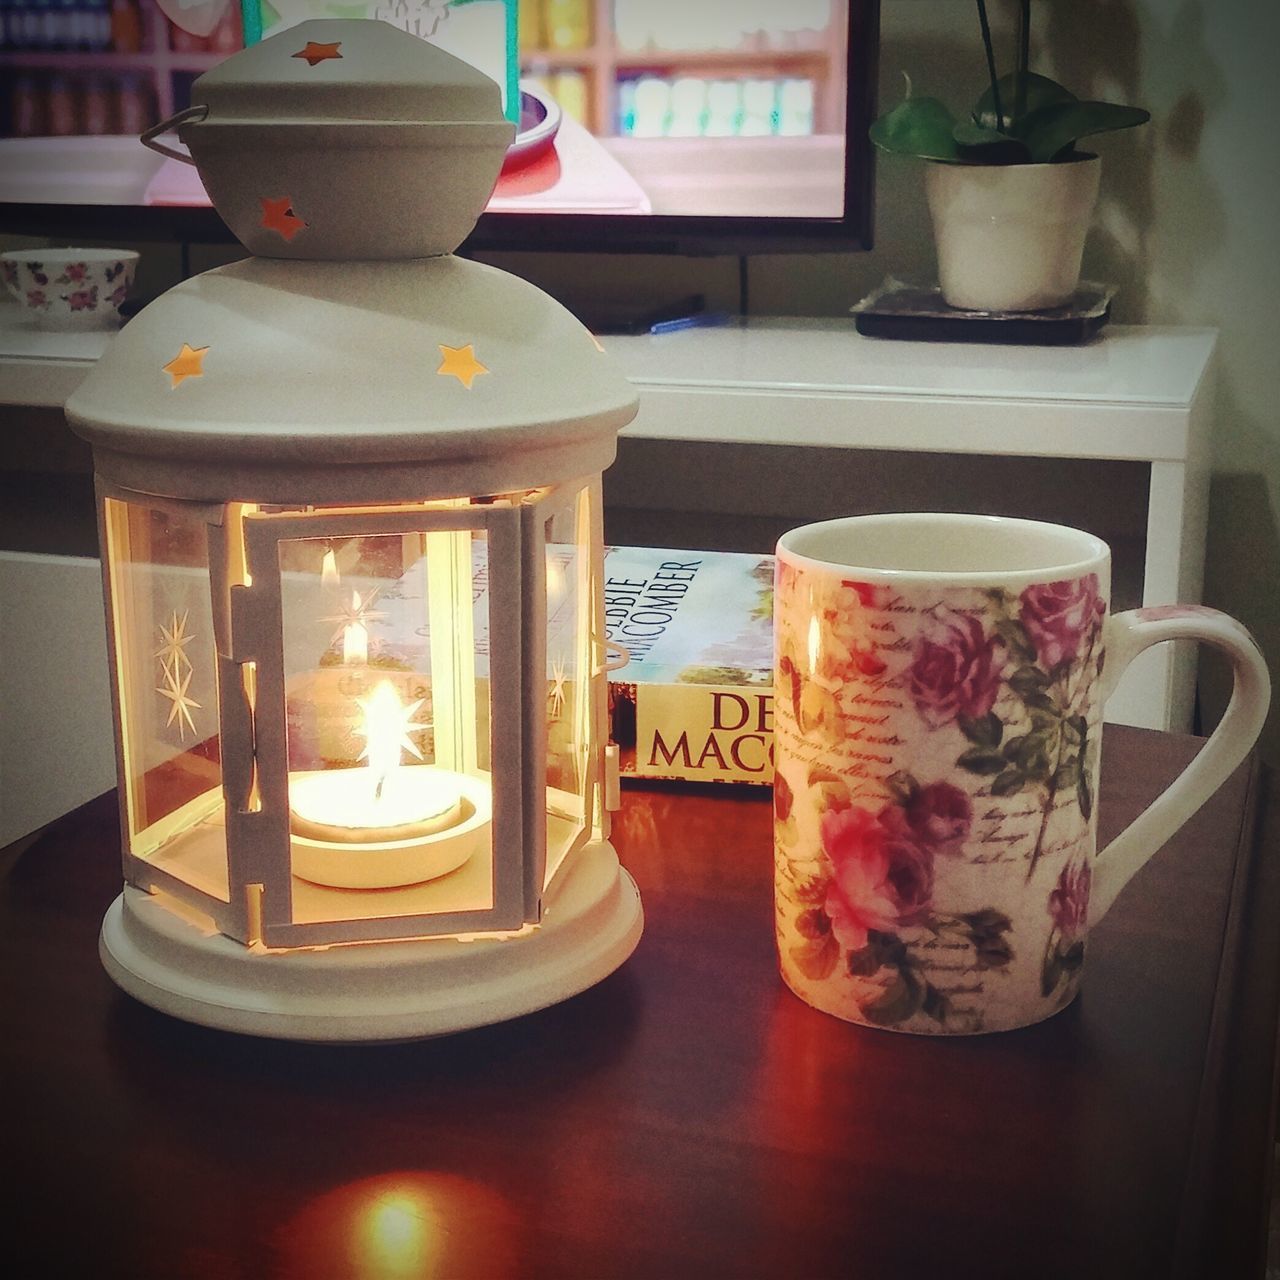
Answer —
(695, 701)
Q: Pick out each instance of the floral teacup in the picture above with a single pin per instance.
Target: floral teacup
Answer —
(938, 712)
(70, 288)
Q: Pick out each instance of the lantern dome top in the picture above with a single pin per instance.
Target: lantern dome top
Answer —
(268, 381)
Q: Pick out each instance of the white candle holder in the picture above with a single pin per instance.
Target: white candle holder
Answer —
(352, 547)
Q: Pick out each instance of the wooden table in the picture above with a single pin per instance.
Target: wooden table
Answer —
(686, 1117)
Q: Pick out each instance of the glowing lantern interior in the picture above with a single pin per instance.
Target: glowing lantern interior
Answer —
(370, 642)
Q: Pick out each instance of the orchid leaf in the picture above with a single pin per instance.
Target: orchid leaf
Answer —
(918, 127)
(1039, 92)
(1053, 131)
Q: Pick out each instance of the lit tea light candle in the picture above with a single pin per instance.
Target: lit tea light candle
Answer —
(386, 800)
(387, 823)
(346, 806)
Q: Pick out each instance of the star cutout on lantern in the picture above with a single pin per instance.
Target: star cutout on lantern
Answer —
(319, 52)
(557, 686)
(175, 689)
(356, 613)
(460, 363)
(173, 642)
(186, 364)
(278, 216)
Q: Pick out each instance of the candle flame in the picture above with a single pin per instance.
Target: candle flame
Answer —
(386, 729)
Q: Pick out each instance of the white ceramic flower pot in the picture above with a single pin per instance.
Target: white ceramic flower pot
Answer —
(1011, 237)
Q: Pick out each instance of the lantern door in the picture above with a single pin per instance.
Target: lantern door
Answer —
(385, 650)
(161, 563)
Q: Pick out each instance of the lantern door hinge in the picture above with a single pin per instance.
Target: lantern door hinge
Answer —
(244, 624)
(612, 778)
(253, 894)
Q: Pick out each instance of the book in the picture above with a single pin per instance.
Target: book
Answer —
(695, 700)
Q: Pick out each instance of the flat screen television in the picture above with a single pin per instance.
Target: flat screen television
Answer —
(661, 126)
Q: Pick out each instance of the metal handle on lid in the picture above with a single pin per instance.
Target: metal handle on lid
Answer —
(151, 137)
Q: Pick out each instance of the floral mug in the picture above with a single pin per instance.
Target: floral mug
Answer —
(940, 681)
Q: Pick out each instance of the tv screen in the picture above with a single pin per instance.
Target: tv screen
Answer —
(643, 125)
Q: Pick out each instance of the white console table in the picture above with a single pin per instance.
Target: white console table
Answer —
(1133, 395)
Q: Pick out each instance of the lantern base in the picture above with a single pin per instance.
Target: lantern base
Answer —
(381, 991)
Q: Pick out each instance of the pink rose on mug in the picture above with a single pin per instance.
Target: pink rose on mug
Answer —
(954, 671)
(882, 876)
(1058, 615)
(858, 897)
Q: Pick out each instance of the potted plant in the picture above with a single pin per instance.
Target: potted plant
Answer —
(1010, 193)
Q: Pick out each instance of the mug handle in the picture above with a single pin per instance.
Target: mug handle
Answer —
(151, 138)
(1127, 635)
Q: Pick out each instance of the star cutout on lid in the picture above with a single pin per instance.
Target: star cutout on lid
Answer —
(278, 215)
(186, 364)
(317, 52)
(460, 363)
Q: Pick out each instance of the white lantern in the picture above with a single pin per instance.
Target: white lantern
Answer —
(352, 543)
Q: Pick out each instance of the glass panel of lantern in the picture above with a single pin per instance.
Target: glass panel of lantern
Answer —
(387, 702)
(575, 690)
(372, 658)
(167, 695)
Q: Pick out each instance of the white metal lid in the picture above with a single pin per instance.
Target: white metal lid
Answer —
(275, 381)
